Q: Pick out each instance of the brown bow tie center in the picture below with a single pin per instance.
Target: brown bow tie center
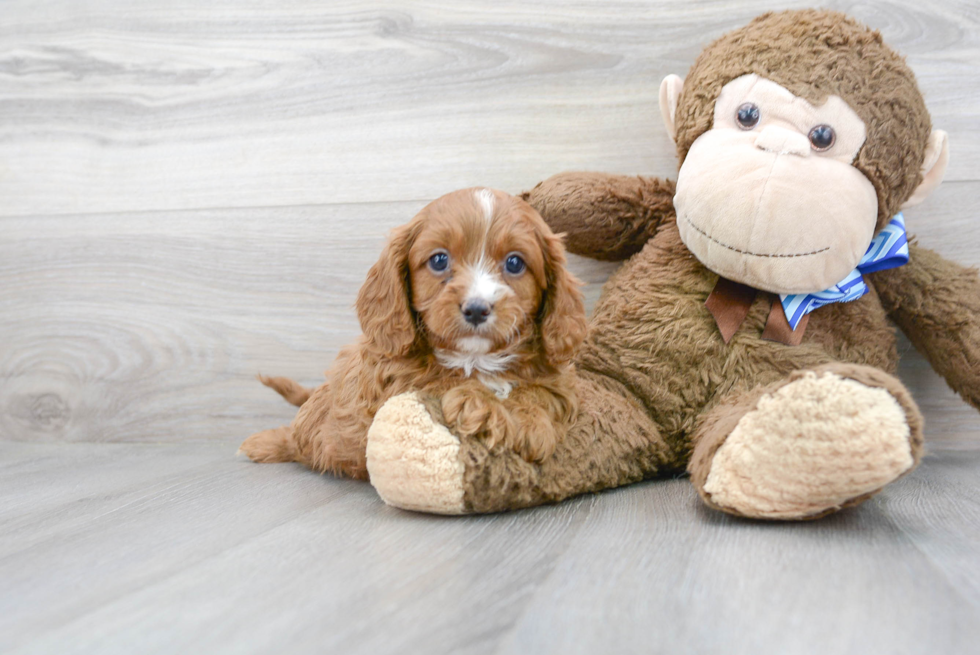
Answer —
(729, 302)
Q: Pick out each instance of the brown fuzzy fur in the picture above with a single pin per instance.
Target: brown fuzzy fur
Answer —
(936, 303)
(656, 380)
(408, 312)
(635, 205)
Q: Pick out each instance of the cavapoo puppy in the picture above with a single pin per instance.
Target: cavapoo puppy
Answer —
(469, 304)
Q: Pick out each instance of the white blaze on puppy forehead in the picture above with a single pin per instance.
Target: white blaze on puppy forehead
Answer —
(486, 284)
(487, 202)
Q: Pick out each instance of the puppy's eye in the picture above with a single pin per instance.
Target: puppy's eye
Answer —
(747, 116)
(439, 262)
(514, 264)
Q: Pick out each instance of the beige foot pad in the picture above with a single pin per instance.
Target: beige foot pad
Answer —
(809, 447)
(414, 462)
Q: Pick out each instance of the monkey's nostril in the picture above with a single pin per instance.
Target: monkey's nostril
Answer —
(476, 312)
(782, 141)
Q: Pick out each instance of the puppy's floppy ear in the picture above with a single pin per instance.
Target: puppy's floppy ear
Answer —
(563, 323)
(383, 303)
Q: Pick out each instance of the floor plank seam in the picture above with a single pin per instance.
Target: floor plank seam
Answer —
(331, 205)
(542, 583)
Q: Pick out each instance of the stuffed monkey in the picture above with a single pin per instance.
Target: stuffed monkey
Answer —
(746, 338)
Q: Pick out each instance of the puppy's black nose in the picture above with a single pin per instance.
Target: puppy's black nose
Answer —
(476, 312)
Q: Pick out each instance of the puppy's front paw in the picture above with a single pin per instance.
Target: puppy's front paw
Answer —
(537, 434)
(472, 412)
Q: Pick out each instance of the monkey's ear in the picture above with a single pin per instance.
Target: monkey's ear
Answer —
(670, 93)
(933, 167)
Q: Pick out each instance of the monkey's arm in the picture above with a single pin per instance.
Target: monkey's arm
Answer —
(603, 216)
(936, 303)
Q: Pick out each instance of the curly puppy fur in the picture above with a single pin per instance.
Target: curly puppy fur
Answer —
(469, 302)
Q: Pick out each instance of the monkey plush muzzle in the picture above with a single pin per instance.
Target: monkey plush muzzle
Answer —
(759, 208)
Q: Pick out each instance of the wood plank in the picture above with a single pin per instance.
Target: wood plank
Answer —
(150, 522)
(50, 490)
(938, 510)
(231, 555)
(236, 557)
(177, 106)
(676, 577)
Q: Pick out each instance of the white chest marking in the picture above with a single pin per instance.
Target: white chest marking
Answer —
(475, 345)
(500, 388)
(473, 361)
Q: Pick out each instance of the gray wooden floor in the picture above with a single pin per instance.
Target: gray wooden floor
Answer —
(191, 193)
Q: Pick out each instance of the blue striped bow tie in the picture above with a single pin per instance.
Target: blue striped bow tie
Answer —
(890, 249)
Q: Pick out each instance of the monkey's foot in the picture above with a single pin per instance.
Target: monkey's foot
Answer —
(412, 460)
(822, 440)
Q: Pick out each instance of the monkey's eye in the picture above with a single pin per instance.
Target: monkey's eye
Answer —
(439, 262)
(514, 264)
(822, 137)
(747, 116)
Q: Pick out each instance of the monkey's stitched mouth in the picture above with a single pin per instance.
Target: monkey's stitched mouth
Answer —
(746, 252)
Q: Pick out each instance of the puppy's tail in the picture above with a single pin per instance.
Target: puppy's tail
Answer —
(291, 390)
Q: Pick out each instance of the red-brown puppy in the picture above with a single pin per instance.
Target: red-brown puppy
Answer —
(470, 302)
